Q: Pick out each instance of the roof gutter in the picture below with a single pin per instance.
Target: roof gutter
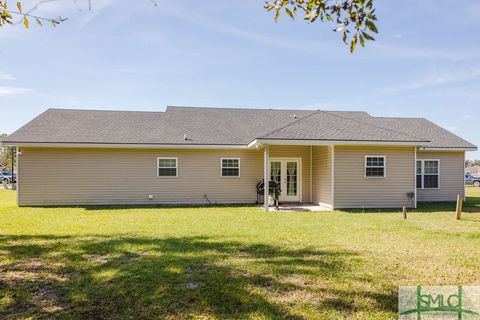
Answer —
(312, 142)
(447, 149)
(124, 145)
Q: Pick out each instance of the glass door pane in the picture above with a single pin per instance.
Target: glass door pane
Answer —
(292, 172)
(276, 171)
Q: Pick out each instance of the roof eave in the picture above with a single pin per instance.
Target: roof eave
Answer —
(316, 142)
(123, 145)
(448, 148)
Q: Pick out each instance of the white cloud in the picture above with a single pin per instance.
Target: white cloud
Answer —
(474, 11)
(435, 77)
(6, 76)
(301, 45)
(403, 51)
(13, 91)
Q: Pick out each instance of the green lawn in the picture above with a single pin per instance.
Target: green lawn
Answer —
(226, 262)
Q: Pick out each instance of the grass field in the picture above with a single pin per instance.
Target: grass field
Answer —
(227, 262)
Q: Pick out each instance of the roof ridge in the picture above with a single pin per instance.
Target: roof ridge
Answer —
(239, 108)
(263, 109)
(378, 127)
(104, 110)
(436, 125)
(415, 118)
(292, 123)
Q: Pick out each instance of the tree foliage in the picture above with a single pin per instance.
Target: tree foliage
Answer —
(5, 154)
(354, 19)
(472, 163)
(7, 14)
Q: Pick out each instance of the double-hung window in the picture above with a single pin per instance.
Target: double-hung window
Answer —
(428, 174)
(167, 167)
(230, 167)
(375, 167)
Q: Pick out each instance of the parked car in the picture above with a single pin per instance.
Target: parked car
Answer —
(3, 178)
(472, 180)
(7, 176)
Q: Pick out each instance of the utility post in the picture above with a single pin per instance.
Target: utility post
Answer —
(12, 155)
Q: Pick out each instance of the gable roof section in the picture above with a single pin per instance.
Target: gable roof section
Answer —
(226, 127)
(329, 126)
(421, 127)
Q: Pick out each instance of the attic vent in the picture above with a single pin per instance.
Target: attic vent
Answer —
(184, 137)
(294, 116)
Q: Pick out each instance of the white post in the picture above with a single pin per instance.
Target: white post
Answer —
(266, 177)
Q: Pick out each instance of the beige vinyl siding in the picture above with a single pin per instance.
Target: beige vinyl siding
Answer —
(451, 176)
(302, 152)
(127, 176)
(321, 175)
(60, 176)
(354, 190)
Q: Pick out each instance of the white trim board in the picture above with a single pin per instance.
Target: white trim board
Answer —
(332, 179)
(423, 173)
(300, 172)
(128, 146)
(300, 142)
(384, 167)
(230, 158)
(446, 149)
(167, 158)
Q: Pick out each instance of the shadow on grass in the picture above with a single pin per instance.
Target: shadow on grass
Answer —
(117, 277)
(471, 205)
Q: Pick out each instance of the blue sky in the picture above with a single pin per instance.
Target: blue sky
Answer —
(132, 55)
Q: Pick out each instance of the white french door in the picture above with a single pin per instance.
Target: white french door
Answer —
(287, 173)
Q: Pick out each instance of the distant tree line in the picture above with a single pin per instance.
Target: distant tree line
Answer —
(5, 154)
(472, 163)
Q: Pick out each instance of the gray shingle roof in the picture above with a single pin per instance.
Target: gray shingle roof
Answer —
(323, 125)
(420, 127)
(225, 126)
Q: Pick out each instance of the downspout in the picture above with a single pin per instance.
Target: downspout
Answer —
(12, 152)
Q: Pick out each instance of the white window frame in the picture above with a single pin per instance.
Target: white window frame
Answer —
(221, 167)
(167, 158)
(423, 173)
(384, 166)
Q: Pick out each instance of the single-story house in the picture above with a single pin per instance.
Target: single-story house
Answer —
(192, 155)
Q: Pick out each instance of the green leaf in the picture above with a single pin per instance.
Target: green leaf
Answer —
(289, 12)
(39, 22)
(329, 17)
(362, 40)
(368, 37)
(19, 6)
(25, 22)
(269, 6)
(353, 44)
(370, 25)
(277, 14)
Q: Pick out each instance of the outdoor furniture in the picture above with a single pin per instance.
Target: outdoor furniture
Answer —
(274, 189)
